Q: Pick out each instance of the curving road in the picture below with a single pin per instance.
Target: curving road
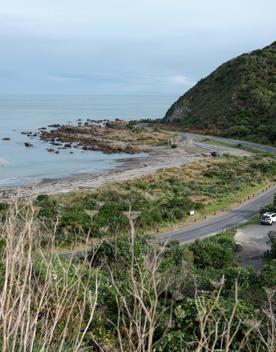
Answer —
(192, 138)
(206, 228)
(232, 218)
(222, 222)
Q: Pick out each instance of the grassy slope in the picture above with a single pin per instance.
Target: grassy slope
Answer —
(163, 198)
(238, 99)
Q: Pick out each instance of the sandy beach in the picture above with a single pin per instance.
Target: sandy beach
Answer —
(126, 169)
(157, 158)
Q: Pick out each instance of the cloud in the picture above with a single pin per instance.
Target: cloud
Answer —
(182, 80)
(122, 46)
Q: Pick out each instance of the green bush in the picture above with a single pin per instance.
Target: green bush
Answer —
(268, 274)
(48, 207)
(187, 328)
(216, 252)
(118, 252)
(244, 277)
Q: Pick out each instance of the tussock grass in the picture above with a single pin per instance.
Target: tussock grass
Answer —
(45, 305)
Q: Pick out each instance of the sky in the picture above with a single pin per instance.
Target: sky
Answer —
(124, 46)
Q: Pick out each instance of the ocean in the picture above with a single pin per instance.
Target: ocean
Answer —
(21, 166)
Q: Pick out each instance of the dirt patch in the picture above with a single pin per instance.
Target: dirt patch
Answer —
(254, 243)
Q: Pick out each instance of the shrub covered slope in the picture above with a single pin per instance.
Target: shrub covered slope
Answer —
(130, 294)
(238, 99)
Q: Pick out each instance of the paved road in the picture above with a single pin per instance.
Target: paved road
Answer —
(190, 137)
(209, 227)
(222, 222)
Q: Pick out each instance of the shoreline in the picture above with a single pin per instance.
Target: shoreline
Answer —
(157, 158)
(125, 169)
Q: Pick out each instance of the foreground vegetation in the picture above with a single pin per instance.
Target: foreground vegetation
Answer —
(130, 294)
(163, 199)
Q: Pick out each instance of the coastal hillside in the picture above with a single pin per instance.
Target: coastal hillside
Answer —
(238, 99)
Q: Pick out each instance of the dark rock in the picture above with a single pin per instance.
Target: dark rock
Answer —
(6, 139)
(55, 125)
(28, 145)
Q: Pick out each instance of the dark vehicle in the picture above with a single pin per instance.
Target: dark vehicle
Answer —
(216, 154)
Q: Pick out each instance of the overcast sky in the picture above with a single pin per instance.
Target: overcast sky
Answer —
(124, 46)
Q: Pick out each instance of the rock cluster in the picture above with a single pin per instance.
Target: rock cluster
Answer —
(105, 136)
(118, 136)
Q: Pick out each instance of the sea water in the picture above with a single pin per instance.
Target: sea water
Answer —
(20, 165)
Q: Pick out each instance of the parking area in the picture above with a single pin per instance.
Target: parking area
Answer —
(254, 242)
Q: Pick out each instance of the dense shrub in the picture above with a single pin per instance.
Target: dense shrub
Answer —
(187, 314)
(215, 253)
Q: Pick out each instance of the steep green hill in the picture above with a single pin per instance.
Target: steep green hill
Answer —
(238, 99)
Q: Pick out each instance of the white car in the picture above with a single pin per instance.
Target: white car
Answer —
(268, 218)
